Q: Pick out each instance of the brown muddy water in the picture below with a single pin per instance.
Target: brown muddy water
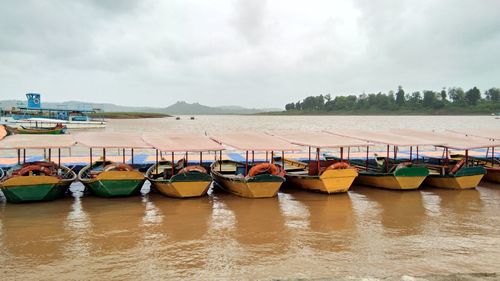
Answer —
(364, 233)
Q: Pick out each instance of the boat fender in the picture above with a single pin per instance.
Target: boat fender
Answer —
(192, 168)
(118, 167)
(338, 165)
(403, 165)
(265, 168)
(457, 166)
(31, 168)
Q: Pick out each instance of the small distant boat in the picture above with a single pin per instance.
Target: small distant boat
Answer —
(192, 118)
(385, 172)
(177, 118)
(180, 180)
(35, 130)
(255, 179)
(106, 178)
(36, 181)
(327, 176)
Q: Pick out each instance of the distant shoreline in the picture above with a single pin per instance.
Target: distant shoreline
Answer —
(369, 113)
(128, 115)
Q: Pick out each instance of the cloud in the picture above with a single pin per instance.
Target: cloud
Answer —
(254, 53)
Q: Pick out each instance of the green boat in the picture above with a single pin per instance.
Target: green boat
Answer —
(106, 178)
(109, 179)
(27, 130)
(36, 181)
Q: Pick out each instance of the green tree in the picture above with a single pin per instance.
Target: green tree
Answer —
(290, 106)
(429, 99)
(472, 96)
(493, 94)
(457, 95)
(400, 96)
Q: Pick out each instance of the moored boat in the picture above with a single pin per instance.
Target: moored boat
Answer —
(39, 180)
(251, 179)
(35, 130)
(490, 162)
(180, 180)
(327, 176)
(105, 178)
(452, 172)
(384, 172)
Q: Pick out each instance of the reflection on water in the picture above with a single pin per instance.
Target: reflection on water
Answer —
(401, 212)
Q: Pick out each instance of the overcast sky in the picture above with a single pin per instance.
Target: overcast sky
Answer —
(254, 53)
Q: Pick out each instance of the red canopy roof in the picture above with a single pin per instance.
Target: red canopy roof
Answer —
(254, 142)
(181, 142)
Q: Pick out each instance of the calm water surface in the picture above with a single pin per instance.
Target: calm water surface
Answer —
(365, 232)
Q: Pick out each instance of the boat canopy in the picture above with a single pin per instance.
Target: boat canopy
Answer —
(493, 134)
(3, 132)
(189, 142)
(387, 138)
(110, 140)
(450, 140)
(254, 142)
(37, 141)
(320, 139)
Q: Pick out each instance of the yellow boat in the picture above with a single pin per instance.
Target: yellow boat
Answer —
(229, 176)
(40, 180)
(251, 179)
(386, 172)
(181, 180)
(455, 172)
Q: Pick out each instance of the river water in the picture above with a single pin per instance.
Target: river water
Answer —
(363, 233)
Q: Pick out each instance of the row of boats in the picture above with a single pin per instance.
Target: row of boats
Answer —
(455, 162)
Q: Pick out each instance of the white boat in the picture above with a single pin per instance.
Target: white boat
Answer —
(82, 122)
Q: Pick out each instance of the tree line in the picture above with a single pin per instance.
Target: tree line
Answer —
(453, 99)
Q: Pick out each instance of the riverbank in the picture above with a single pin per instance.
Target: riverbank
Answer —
(128, 115)
(374, 113)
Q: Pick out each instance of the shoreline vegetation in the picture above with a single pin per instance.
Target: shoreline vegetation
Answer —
(128, 115)
(451, 101)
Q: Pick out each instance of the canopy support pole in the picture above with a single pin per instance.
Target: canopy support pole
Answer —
(395, 153)
(123, 152)
(418, 159)
(466, 158)
(309, 154)
(317, 160)
(220, 159)
(44, 153)
(446, 161)
(367, 156)
(253, 157)
(59, 157)
(283, 159)
(90, 156)
(348, 153)
(172, 164)
(50, 155)
(411, 153)
(387, 160)
(132, 156)
(201, 158)
(19, 156)
(186, 158)
(157, 161)
(103, 157)
(272, 157)
(341, 154)
(246, 163)
(267, 156)
(493, 156)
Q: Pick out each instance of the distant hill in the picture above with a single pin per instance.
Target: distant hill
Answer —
(178, 108)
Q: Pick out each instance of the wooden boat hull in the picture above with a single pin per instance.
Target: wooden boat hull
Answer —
(115, 183)
(261, 186)
(34, 188)
(331, 181)
(492, 174)
(406, 178)
(37, 131)
(465, 178)
(192, 184)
